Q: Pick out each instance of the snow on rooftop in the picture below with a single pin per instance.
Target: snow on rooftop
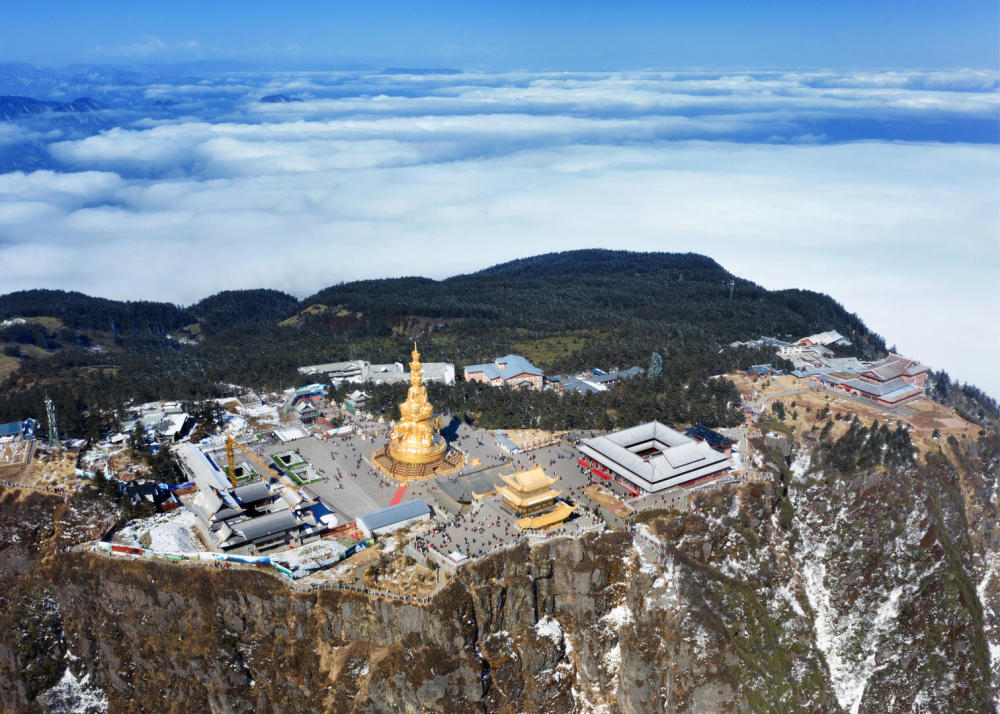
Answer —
(169, 532)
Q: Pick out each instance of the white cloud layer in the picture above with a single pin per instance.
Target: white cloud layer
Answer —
(475, 170)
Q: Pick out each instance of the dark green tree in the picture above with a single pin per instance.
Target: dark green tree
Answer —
(138, 439)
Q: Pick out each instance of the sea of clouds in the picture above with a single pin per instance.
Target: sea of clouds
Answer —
(879, 188)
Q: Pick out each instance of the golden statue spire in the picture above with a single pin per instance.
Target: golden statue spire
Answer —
(416, 449)
(416, 439)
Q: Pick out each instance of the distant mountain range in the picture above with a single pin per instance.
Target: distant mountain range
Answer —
(279, 99)
(12, 107)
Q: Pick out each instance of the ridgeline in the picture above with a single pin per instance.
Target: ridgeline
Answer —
(565, 311)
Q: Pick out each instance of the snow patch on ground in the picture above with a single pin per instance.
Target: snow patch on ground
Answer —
(734, 507)
(703, 639)
(789, 596)
(613, 658)
(619, 616)
(832, 632)
(585, 706)
(168, 532)
(549, 627)
(848, 684)
(72, 695)
(586, 696)
(849, 637)
(992, 573)
(644, 530)
(314, 552)
(800, 465)
(236, 425)
(647, 564)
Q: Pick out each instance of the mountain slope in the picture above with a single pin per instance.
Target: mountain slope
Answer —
(565, 311)
(12, 107)
(232, 309)
(602, 288)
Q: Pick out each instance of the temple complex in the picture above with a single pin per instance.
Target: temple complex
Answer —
(416, 449)
(529, 494)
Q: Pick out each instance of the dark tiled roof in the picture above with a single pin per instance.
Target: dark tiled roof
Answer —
(264, 526)
(251, 492)
(394, 514)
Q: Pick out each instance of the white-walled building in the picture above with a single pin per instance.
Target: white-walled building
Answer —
(360, 371)
(655, 457)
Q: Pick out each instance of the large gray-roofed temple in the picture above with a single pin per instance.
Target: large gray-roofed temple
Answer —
(655, 457)
(251, 518)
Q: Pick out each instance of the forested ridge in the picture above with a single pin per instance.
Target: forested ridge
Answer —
(565, 311)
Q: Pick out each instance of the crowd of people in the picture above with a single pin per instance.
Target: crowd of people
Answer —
(472, 534)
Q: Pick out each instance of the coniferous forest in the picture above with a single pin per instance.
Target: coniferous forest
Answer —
(564, 311)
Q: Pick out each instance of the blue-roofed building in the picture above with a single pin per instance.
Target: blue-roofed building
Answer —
(510, 370)
(568, 383)
(310, 391)
(592, 381)
(12, 429)
(760, 370)
(155, 493)
(887, 394)
(19, 429)
(700, 432)
(387, 520)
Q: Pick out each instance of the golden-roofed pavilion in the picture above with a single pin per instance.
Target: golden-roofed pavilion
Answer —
(528, 492)
(547, 520)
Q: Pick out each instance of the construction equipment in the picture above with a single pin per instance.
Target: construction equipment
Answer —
(231, 446)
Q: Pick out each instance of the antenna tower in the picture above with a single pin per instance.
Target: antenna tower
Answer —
(50, 412)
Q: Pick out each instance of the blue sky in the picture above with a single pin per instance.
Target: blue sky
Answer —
(509, 35)
(844, 147)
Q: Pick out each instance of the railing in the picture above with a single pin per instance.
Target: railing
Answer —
(58, 491)
(294, 584)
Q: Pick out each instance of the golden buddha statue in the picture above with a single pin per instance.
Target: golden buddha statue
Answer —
(416, 440)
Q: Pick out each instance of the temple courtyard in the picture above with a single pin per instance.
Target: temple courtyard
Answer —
(350, 485)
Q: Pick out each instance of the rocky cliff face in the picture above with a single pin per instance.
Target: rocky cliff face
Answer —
(877, 592)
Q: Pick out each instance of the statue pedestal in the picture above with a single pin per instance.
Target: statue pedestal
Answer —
(406, 471)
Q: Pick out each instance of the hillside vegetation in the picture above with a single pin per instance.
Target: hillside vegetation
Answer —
(566, 311)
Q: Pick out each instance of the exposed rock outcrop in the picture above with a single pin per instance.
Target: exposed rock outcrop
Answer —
(871, 593)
